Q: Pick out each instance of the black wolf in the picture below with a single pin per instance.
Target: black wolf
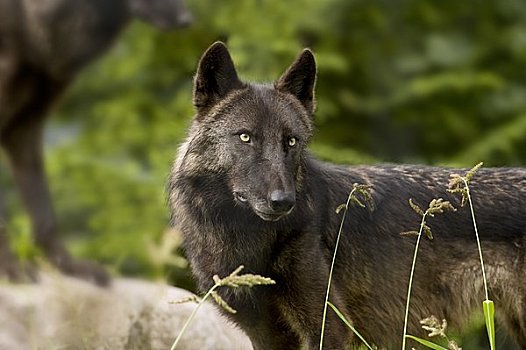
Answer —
(43, 44)
(245, 191)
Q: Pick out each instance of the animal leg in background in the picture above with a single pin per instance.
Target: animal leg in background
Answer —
(22, 142)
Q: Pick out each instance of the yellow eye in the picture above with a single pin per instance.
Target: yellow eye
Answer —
(292, 141)
(245, 137)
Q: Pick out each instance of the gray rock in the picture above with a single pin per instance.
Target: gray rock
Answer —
(66, 313)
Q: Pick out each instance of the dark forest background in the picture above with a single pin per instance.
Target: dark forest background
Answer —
(428, 82)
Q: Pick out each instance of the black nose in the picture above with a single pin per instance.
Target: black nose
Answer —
(282, 201)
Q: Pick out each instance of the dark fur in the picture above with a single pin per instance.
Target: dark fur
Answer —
(43, 44)
(220, 186)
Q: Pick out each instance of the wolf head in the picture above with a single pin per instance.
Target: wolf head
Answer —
(251, 135)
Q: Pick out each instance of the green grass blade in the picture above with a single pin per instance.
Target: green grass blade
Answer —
(340, 315)
(489, 312)
(427, 343)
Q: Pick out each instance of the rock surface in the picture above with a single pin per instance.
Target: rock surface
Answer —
(66, 313)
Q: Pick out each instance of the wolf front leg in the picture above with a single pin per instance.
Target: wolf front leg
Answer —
(261, 320)
(22, 142)
(274, 335)
(305, 313)
(305, 275)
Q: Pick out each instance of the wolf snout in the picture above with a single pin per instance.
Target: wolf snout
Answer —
(282, 201)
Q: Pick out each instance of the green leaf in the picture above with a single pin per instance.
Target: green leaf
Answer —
(489, 312)
(427, 343)
(340, 315)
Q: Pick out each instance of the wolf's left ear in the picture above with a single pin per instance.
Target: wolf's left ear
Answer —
(299, 80)
(216, 76)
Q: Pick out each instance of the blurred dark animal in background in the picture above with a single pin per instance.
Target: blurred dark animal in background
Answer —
(43, 45)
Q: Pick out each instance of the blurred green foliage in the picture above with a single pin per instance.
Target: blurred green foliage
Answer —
(403, 81)
(441, 82)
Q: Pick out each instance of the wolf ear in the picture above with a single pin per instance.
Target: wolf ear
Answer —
(216, 76)
(299, 80)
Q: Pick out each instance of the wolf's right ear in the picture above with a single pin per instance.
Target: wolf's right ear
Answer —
(216, 76)
(299, 80)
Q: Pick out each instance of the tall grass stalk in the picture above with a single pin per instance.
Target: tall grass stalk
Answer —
(455, 186)
(477, 236)
(364, 191)
(332, 268)
(409, 288)
(436, 206)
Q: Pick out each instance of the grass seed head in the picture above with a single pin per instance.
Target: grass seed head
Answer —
(221, 302)
(459, 184)
(434, 326)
